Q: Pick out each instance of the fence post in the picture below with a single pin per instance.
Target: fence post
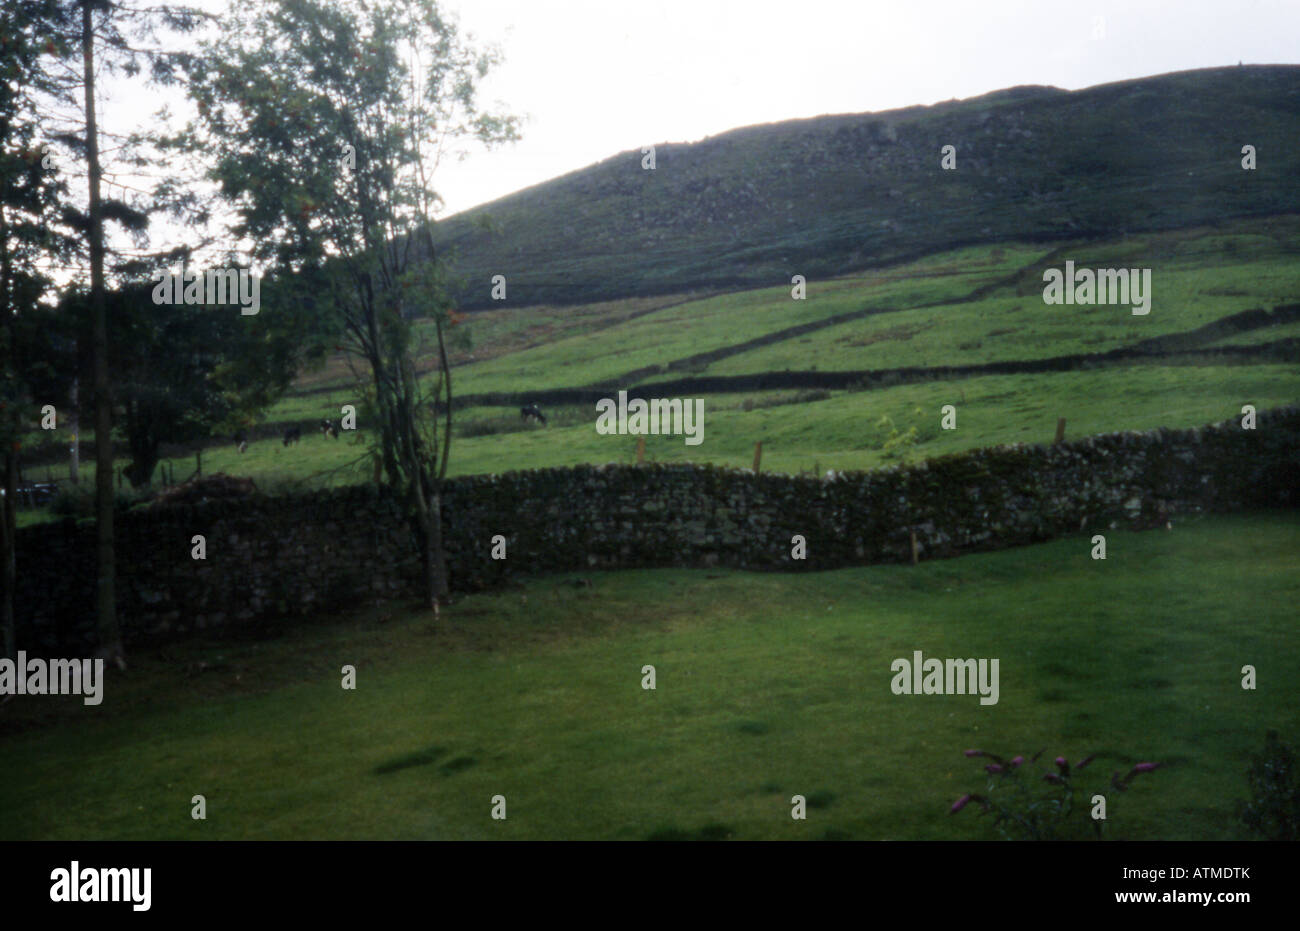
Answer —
(914, 549)
(758, 455)
(640, 450)
(1060, 430)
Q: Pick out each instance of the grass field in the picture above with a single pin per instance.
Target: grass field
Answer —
(844, 431)
(768, 685)
(968, 306)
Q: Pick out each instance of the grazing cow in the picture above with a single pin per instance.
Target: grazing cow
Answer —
(533, 411)
(329, 428)
(292, 435)
(241, 440)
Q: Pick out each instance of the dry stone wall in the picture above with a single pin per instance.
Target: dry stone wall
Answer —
(270, 558)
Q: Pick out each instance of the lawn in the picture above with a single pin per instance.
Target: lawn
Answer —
(768, 685)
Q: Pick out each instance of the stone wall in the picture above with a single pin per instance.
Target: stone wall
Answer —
(267, 558)
(271, 558)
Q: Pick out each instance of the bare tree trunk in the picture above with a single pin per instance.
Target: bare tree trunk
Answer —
(8, 546)
(439, 555)
(74, 451)
(8, 521)
(110, 638)
(446, 370)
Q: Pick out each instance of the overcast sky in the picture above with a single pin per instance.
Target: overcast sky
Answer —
(597, 77)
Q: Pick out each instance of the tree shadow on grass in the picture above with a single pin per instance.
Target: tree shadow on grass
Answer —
(408, 760)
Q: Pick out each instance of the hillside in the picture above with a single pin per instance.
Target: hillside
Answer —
(825, 196)
(854, 377)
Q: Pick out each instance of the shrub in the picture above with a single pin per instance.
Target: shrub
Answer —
(78, 501)
(1024, 808)
(897, 443)
(1273, 811)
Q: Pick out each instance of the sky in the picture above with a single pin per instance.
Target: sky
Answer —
(597, 77)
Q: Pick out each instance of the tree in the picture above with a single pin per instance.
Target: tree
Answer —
(325, 123)
(102, 25)
(183, 372)
(30, 193)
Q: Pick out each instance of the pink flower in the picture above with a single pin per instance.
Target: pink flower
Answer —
(1145, 767)
(1016, 761)
(1085, 761)
(974, 752)
(960, 804)
(1051, 777)
(993, 768)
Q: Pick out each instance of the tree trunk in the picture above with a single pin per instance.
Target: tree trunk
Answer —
(439, 554)
(8, 569)
(74, 451)
(110, 638)
(144, 447)
(10, 432)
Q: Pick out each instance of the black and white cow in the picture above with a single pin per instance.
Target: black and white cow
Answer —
(292, 435)
(329, 428)
(533, 411)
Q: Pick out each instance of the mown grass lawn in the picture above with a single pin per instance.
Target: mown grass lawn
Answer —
(769, 685)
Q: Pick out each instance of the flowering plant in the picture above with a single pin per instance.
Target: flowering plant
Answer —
(1025, 808)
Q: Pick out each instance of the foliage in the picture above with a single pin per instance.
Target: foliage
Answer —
(1025, 809)
(1273, 811)
(325, 123)
(183, 372)
(897, 443)
(78, 501)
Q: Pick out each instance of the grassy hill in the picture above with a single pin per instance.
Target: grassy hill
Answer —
(825, 196)
(966, 327)
(855, 375)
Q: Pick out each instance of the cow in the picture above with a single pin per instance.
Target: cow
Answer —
(292, 435)
(533, 411)
(329, 428)
(241, 440)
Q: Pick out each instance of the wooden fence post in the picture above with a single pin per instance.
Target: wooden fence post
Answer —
(915, 560)
(758, 455)
(1060, 430)
(640, 450)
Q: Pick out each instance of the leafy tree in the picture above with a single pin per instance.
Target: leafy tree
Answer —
(101, 33)
(325, 122)
(30, 194)
(184, 372)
